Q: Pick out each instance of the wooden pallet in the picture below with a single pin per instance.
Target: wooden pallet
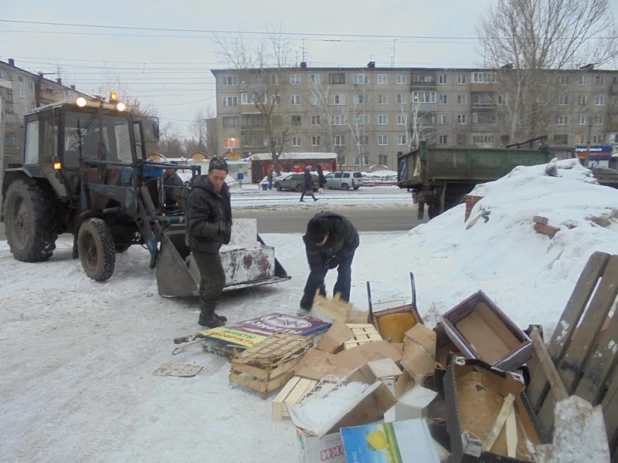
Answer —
(363, 333)
(269, 364)
(585, 360)
(294, 392)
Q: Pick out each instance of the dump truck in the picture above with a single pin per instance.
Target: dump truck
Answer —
(84, 171)
(441, 177)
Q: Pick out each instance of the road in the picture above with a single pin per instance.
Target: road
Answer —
(365, 220)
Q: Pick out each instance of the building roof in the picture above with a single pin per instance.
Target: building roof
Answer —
(37, 76)
(292, 156)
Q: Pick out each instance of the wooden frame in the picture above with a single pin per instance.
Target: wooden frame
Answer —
(295, 392)
(363, 333)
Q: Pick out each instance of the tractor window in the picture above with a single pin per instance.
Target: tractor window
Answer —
(32, 143)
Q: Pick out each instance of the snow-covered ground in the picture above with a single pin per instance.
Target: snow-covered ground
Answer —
(76, 357)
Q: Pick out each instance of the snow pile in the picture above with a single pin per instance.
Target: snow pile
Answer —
(381, 174)
(528, 275)
(380, 177)
(321, 411)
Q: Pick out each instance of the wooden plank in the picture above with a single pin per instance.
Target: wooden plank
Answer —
(539, 386)
(277, 383)
(601, 366)
(548, 367)
(279, 407)
(304, 386)
(511, 434)
(507, 406)
(258, 386)
(610, 410)
(577, 354)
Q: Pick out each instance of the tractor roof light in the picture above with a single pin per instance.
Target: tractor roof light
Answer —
(57, 163)
(113, 96)
(121, 106)
(81, 102)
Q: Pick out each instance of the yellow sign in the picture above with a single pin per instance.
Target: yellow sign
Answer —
(241, 338)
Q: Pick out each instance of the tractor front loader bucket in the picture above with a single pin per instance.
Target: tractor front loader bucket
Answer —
(247, 261)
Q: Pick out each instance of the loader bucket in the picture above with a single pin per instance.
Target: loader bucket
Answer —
(173, 276)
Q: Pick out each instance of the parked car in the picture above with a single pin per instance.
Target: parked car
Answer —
(344, 180)
(294, 182)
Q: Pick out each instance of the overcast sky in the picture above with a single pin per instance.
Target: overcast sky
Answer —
(171, 69)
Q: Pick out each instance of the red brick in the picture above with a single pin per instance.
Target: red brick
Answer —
(547, 230)
(471, 200)
(541, 220)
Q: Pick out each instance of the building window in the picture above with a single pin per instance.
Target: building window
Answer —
(275, 100)
(461, 118)
(231, 143)
(579, 139)
(562, 120)
(482, 139)
(382, 140)
(443, 99)
(596, 139)
(402, 119)
(563, 80)
(10, 118)
(501, 99)
(462, 99)
(600, 80)
(383, 159)
(337, 78)
(313, 99)
(402, 79)
(583, 80)
(598, 120)
(363, 140)
(582, 100)
(315, 79)
(252, 120)
(316, 140)
(230, 101)
(297, 141)
(296, 120)
(274, 79)
(443, 118)
(563, 100)
(424, 97)
(337, 119)
(561, 139)
(295, 79)
(402, 139)
(231, 121)
(360, 119)
(383, 78)
(600, 100)
(581, 120)
(443, 140)
(484, 77)
(339, 140)
(31, 86)
(442, 79)
(382, 99)
(10, 140)
(337, 99)
(229, 81)
(360, 79)
(20, 92)
(315, 120)
(382, 119)
(461, 79)
(363, 158)
(401, 98)
(295, 99)
(361, 98)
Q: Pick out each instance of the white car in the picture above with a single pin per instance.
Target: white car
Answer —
(344, 180)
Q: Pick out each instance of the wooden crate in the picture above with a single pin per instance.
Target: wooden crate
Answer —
(363, 333)
(294, 393)
(269, 364)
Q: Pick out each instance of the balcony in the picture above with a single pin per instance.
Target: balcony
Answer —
(482, 100)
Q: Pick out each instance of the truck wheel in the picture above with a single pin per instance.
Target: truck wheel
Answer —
(433, 210)
(30, 228)
(345, 186)
(97, 250)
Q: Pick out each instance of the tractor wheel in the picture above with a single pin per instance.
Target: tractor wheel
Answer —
(97, 250)
(30, 228)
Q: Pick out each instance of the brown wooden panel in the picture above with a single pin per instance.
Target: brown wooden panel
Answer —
(610, 410)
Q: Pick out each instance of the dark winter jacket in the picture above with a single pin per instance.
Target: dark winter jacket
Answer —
(172, 187)
(321, 179)
(342, 242)
(269, 177)
(308, 181)
(209, 216)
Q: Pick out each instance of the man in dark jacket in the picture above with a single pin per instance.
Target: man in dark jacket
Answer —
(307, 185)
(331, 241)
(209, 225)
(172, 186)
(269, 177)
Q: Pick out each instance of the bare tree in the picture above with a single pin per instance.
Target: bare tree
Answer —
(419, 121)
(261, 64)
(201, 132)
(527, 41)
(359, 120)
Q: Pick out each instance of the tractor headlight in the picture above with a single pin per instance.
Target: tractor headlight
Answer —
(81, 102)
(121, 106)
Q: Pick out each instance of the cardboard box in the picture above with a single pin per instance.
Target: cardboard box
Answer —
(419, 346)
(367, 408)
(335, 337)
(471, 386)
(411, 405)
(329, 449)
(406, 441)
(386, 371)
(444, 349)
(482, 331)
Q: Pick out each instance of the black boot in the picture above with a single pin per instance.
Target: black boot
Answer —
(209, 318)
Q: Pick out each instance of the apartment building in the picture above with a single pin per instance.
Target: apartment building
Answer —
(21, 91)
(367, 115)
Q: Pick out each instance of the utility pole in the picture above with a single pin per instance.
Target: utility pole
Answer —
(586, 162)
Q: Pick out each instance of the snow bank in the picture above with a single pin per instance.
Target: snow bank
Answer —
(529, 276)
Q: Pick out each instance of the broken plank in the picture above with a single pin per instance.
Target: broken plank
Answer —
(279, 407)
(507, 405)
(511, 434)
(578, 352)
(601, 366)
(538, 387)
(610, 410)
(548, 367)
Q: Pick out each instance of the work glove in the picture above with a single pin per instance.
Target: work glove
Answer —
(225, 230)
(332, 263)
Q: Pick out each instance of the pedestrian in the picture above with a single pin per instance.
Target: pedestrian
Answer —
(270, 178)
(172, 187)
(209, 225)
(307, 185)
(321, 179)
(330, 242)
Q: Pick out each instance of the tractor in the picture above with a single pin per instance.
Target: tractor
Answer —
(85, 171)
